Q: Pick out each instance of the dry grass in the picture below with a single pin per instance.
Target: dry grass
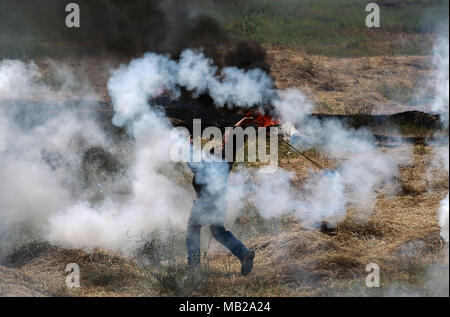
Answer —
(401, 236)
(102, 272)
(14, 283)
(367, 85)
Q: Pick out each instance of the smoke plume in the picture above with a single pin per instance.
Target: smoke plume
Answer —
(440, 105)
(146, 191)
(49, 175)
(443, 219)
(365, 167)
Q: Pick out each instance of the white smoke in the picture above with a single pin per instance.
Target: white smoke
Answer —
(440, 105)
(38, 147)
(158, 200)
(132, 86)
(321, 198)
(18, 79)
(436, 274)
(365, 168)
(440, 82)
(53, 198)
(292, 106)
(362, 169)
(443, 218)
(42, 142)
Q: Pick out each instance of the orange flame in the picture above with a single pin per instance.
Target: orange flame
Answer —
(263, 120)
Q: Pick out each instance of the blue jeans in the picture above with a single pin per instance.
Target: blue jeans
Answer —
(195, 224)
(210, 182)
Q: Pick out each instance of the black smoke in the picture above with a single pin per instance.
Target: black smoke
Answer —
(122, 28)
(248, 55)
(127, 29)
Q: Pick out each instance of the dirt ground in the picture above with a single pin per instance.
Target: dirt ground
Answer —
(401, 235)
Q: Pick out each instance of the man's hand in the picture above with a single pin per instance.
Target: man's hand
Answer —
(244, 122)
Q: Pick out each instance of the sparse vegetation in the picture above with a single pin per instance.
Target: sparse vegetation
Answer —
(400, 91)
(330, 83)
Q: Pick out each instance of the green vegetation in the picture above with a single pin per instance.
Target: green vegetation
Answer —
(324, 27)
(334, 28)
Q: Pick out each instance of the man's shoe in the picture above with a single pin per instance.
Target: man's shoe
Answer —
(247, 262)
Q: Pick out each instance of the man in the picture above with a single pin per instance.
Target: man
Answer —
(210, 182)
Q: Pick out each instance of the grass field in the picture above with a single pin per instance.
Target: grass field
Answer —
(334, 28)
(325, 27)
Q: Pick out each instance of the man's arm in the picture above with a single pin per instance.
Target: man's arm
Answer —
(244, 122)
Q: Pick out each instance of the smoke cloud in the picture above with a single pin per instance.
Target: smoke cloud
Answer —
(107, 26)
(39, 146)
(149, 192)
(121, 29)
(441, 79)
(46, 180)
(443, 218)
(441, 105)
(148, 77)
(326, 195)
(365, 167)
